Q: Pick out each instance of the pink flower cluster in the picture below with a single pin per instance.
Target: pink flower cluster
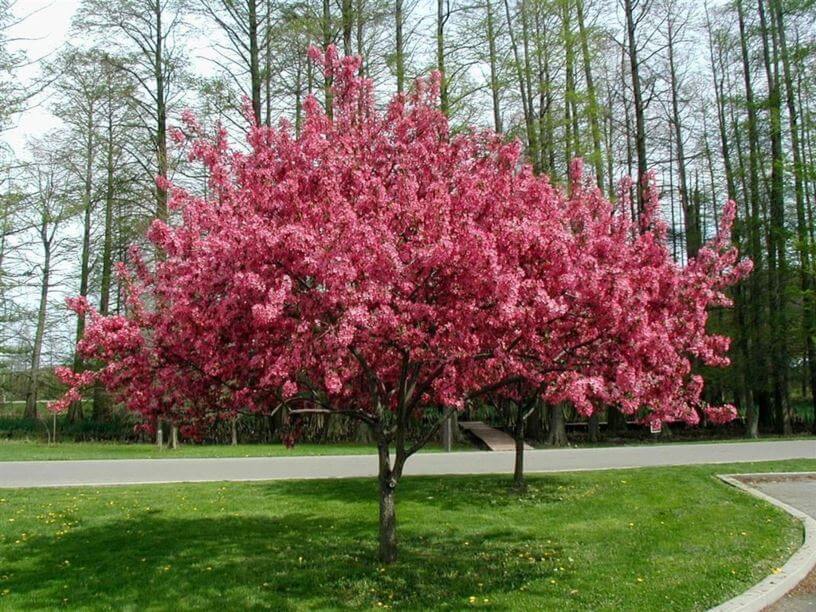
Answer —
(379, 258)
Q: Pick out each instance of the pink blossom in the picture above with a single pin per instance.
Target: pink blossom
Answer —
(377, 255)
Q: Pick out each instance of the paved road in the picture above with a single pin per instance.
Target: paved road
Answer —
(135, 471)
(801, 494)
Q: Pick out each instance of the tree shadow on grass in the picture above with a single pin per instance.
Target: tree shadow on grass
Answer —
(448, 493)
(296, 561)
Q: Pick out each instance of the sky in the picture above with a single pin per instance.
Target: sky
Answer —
(42, 28)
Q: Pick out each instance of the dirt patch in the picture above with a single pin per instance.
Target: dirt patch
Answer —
(764, 478)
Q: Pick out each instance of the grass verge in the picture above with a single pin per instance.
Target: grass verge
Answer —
(25, 450)
(645, 539)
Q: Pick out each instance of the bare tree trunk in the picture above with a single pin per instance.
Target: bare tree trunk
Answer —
(572, 146)
(804, 246)
(759, 369)
(32, 388)
(691, 218)
(594, 427)
(161, 113)
(399, 47)
(592, 99)
(545, 96)
(359, 10)
(628, 131)
(615, 420)
(442, 15)
(532, 137)
(101, 405)
(777, 257)
(254, 59)
(639, 108)
(558, 430)
(347, 18)
(75, 412)
(267, 71)
(494, 76)
(327, 40)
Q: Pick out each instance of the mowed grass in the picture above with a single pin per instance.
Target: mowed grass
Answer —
(646, 539)
(27, 450)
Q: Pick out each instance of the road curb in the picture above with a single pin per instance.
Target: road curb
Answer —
(777, 585)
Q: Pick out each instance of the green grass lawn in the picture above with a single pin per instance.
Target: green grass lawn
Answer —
(29, 450)
(657, 441)
(646, 539)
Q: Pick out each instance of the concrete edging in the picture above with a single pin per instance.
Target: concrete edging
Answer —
(774, 587)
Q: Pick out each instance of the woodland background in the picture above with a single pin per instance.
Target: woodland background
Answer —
(716, 98)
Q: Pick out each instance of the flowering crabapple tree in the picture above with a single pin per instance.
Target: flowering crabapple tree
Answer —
(622, 323)
(380, 267)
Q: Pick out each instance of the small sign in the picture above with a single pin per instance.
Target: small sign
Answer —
(656, 426)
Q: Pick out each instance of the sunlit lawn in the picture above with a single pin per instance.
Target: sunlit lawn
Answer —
(647, 539)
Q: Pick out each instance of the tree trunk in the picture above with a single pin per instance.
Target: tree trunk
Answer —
(518, 436)
(161, 114)
(267, 70)
(495, 90)
(234, 431)
(173, 436)
(532, 136)
(441, 19)
(32, 389)
(447, 436)
(254, 59)
(101, 404)
(558, 430)
(75, 409)
(545, 96)
(691, 218)
(594, 427)
(751, 418)
(572, 147)
(388, 511)
(327, 40)
(804, 246)
(359, 13)
(777, 256)
(347, 22)
(592, 99)
(615, 421)
(535, 426)
(399, 50)
(639, 107)
(757, 296)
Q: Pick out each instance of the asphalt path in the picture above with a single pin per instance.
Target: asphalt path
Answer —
(17, 474)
